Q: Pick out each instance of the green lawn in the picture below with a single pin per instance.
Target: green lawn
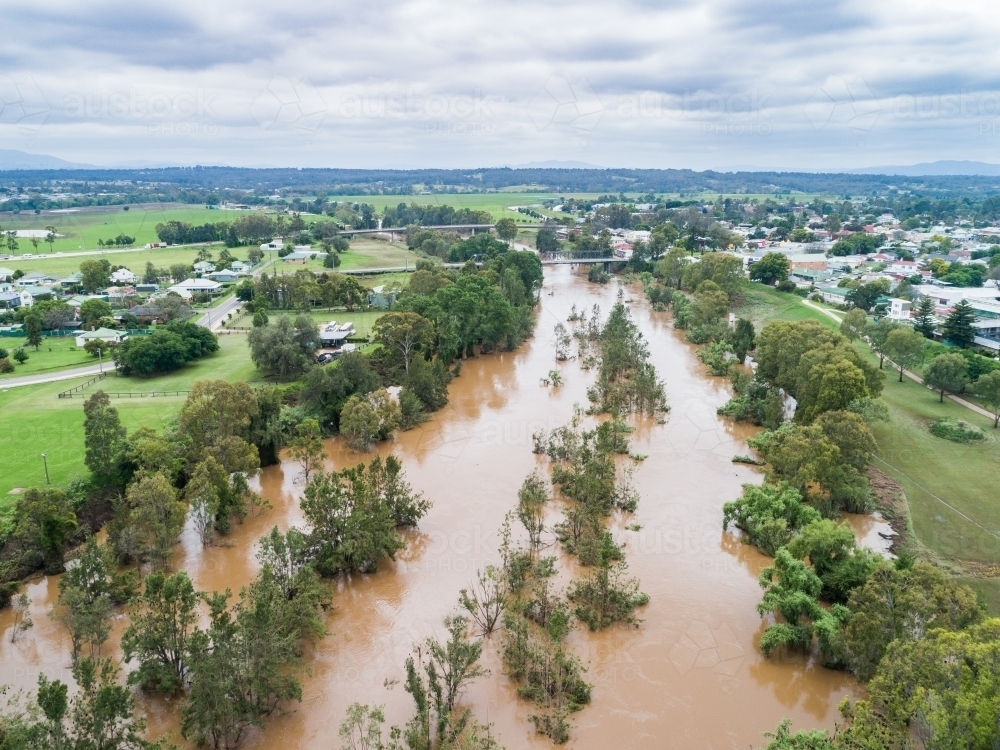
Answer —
(55, 353)
(33, 420)
(762, 303)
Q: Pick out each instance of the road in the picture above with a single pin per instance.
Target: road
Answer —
(215, 316)
(911, 375)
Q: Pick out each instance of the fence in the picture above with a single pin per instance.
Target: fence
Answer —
(75, 391)
(127, 394)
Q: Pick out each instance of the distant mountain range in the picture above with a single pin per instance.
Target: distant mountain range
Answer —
(552, 164)
(935, 169)
(10, 159)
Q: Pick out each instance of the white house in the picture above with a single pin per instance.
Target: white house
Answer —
(899, 309)
(18, 298)
(203, 266)
(107, 335)
(196, 286)
(123, 276)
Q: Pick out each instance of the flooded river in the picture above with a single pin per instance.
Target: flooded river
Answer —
(689, 677)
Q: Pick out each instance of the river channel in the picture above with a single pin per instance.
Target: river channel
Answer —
(689, 677)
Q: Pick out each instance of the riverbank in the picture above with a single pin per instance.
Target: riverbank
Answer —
(950, 487)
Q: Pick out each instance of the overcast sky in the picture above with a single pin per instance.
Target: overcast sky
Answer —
(782, 84)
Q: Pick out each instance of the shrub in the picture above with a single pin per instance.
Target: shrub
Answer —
(957, 430)
(20, 356)
(6, 366)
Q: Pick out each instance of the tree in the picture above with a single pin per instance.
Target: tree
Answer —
(87, 593)
(877, 335)
(865, 296)
(987, 387)
(33, 329)
(44, 519)
(162, 623)
(96, 275)
(151, 275)
(93, 310)
(854, 323)
(744, 338)
(546, 241)
(506, 229)
(275, 348)
(403, 333)
(306, 448)
(769, 515)
(770, 269)
(901, 605)
(946, 372)
(104, 437)
(157, 515)
(366, 419)
(50, 236)
(958, 327)
(354, 515)
(923, 320)
(905, 347)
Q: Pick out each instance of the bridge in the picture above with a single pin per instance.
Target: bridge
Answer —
(452, 227)
(546, 261)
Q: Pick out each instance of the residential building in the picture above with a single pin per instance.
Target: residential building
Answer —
(107, 335)
(898, 309)
(204, 267)
(196, 286)
(834, 295)
(123, 276)
(15, 299)
(381, 297)
(333, 334)
(224, 276)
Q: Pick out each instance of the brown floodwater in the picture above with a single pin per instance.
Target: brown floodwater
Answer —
(689, 677)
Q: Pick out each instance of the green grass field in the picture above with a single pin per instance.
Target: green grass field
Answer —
(135, 260)
(33, 420)
(55, 353)
(82, 228)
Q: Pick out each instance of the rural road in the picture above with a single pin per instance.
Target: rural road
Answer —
(216, 315)
(911, 375)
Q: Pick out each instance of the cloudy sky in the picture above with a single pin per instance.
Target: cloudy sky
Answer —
(778, 84)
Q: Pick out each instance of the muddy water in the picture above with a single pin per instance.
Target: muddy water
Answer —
(689, 677)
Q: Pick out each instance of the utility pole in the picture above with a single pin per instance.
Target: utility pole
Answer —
(46, 463)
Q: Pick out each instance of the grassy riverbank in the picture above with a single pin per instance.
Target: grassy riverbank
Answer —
(950, 487)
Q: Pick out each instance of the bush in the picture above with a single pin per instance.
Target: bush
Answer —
(957, 430)
(6, 366)
(786, 286)
(597, 275)
(20, 356)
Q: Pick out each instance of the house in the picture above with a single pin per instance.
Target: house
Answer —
(204, 267)
(117, 295)
(224, 276)
(238, 266)
(6, 273)
(908, 267)
(834, 295)
(36, 278)
(898, 309)
(72, 280)
(147, 288)
(945, 297)
(101, 334)
(333, 335)
(14, 300)
(272, 245)
(196, 286)
(381, 297)
(123, 276)
(301, 253)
